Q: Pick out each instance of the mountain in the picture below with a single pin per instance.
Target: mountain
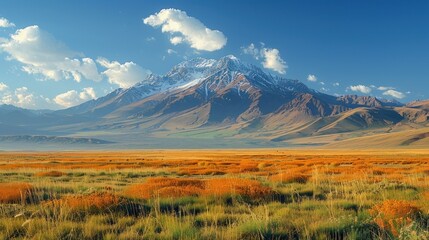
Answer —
(368, 101)
(419, 104)
(10, 113)
(232, 93)
(226, 100)
(208, 83)
(184, 73)
(415, 112)
(414, 138)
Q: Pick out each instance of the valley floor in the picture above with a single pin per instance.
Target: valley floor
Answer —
(215, 194)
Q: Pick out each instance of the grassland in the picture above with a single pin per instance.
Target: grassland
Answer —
(215, 194)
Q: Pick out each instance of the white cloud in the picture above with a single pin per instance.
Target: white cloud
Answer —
(72, 97)
(7, 99)
(394, 94)
(171, 51)
(190, 29)
(322, 83)
(87, 93)
(176, 40)
(125, 75)
(41, 53)
(271, 57)
(273, 60)
(336, 84)
(21, 97)
(251, 50)
(381, 88)
(24, 98)
(3, 87)
(4, 23)
(361, 88)
(312, 78)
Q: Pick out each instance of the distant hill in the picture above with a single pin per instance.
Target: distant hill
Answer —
(51, 139)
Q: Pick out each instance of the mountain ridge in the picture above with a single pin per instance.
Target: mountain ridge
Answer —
(227, 99)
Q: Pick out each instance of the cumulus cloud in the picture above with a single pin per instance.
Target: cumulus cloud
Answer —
(336, 84)
(270, 57)
(24, 97)
(184, 28)
(73, 97)
(21, 97)
(273, 60)
(41, 53)
(4, 23)
(3, 87)
(312, 78)
(394, 94)
(361, 88)
(125, 75)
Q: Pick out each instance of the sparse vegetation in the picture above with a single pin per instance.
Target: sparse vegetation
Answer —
(248, 194)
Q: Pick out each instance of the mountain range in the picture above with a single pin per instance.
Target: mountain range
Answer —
(207, 103)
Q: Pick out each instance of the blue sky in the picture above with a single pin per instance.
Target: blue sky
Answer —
(56, 54)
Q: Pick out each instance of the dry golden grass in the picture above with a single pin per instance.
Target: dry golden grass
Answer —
(238, 186)
(180, 187)
(278, 165)
(284, 166)
(297, 174)
(50, 174)
(306, 194)
(290, 177)
(93, 201)
(391, 215)
(166, 187)
(14, 192)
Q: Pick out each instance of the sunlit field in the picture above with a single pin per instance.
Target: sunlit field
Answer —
(215, 194)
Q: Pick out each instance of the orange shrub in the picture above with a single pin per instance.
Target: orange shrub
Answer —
(179, 187)
(93, 201)
(239, 186)
(290, 177)
(14, 192)
(201, 171)
(425, 195)
(50, 174)
(391, 215)
(166, 187)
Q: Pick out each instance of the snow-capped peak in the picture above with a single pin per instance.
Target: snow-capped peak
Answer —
(196, 63)
(232, 57)
(232, 63)
(206, 76)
